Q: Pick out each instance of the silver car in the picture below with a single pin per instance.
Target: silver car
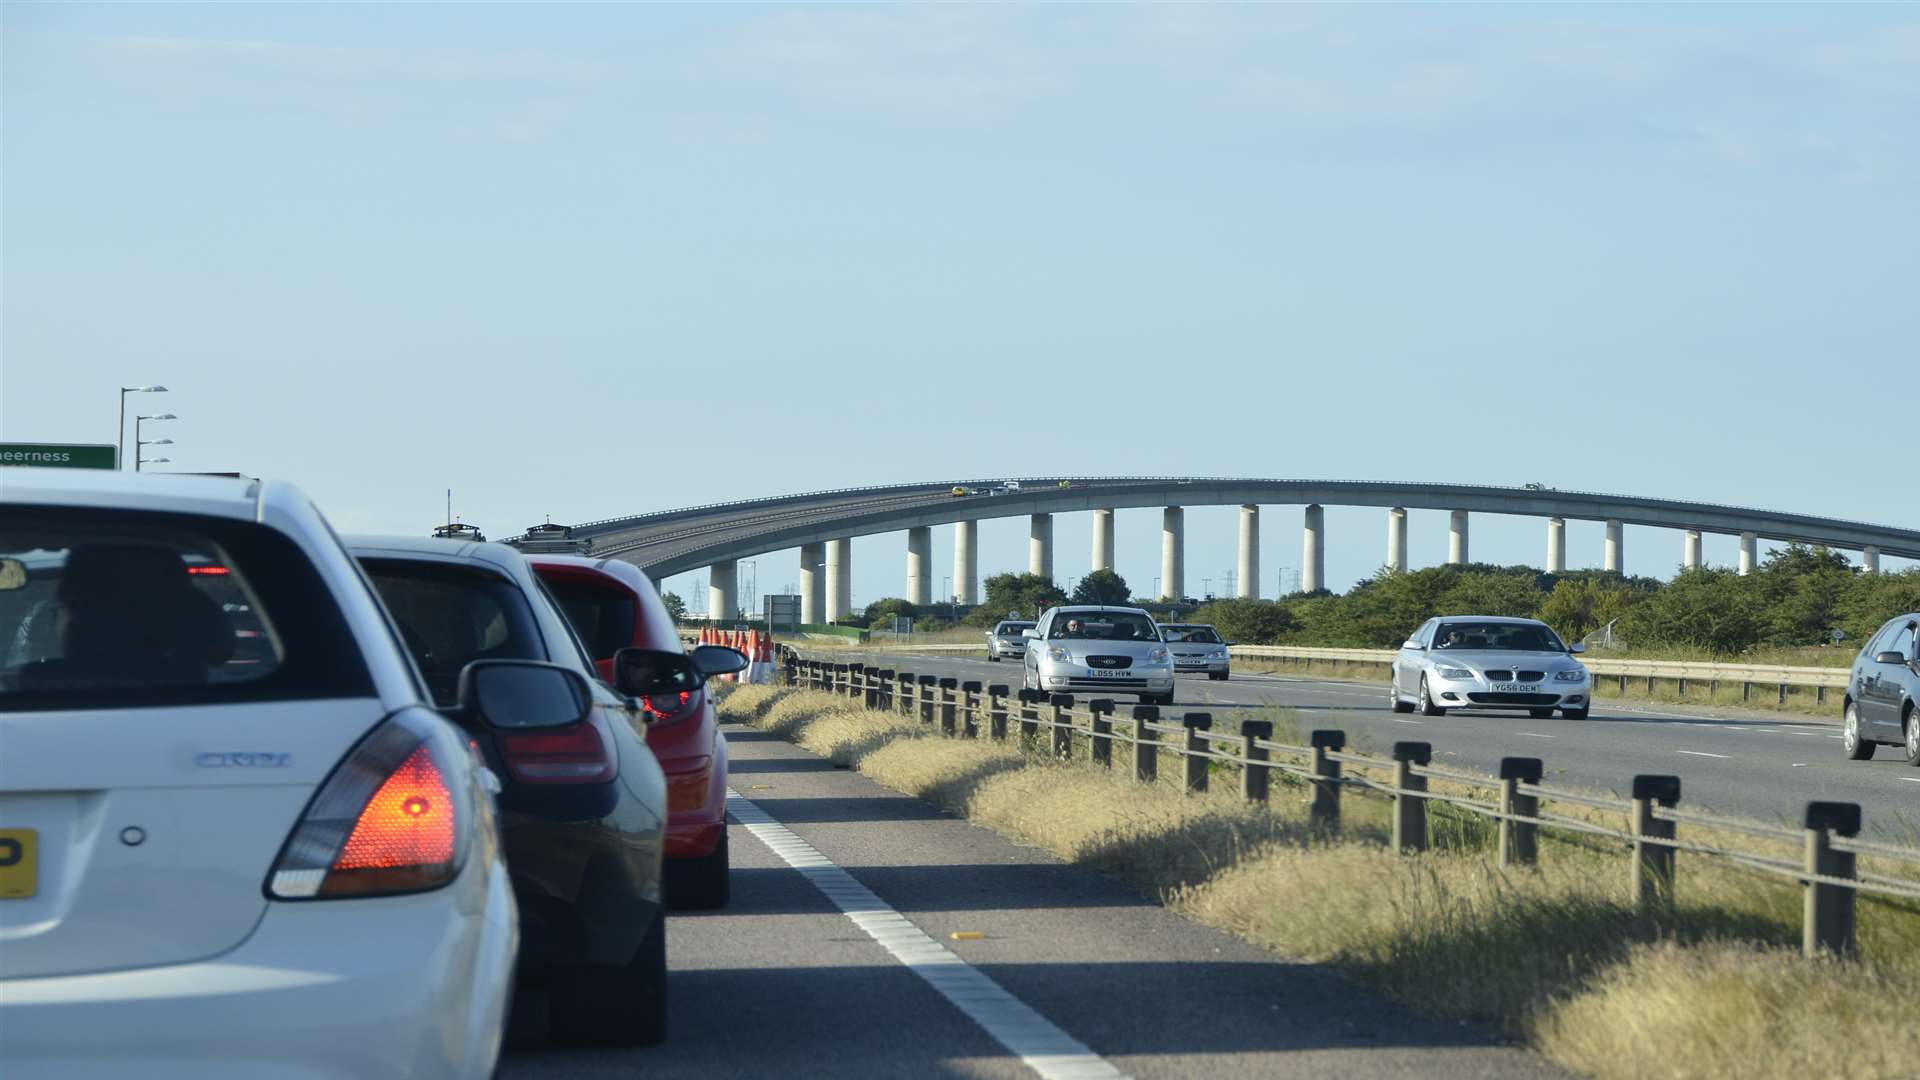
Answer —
(1095, 649)
(1489, 662)
(1197, 647)
(1006, 640)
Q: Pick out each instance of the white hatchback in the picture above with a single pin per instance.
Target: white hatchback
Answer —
(235, 838)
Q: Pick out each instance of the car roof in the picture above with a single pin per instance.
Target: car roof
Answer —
(1188, 625)
(612, 567)
(238, 498)
(1509, 619)
(432, 547)
(1098, 608)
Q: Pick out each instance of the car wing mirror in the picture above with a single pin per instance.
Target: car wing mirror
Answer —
(522, 694)
(1034, 634)
(1576, 647)
(714, 660)
(1891, 656)
(647, 672)
(1412, 644)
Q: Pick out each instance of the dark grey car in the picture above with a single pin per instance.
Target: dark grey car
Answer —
(1882, 690)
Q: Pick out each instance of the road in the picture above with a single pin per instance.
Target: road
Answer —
(1760, 766)
(1087, 978)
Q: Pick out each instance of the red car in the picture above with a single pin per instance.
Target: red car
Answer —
(613, 606)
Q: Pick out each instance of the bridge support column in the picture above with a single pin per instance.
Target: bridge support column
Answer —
(1616, 553)
(1749, 553)
(966, 562)
(813, 584)
(1040, 546)
(1870, 558)
(1247, 587)
(920, 566)
(1397, 540)
(1457, 554)
(1690, 554)
(1556, 545)
(723, 586)
(1313, 550)
(1173, 553)
(839, 579)
(1103, 540)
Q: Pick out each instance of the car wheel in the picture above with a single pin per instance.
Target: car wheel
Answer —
(1393, 698)
(1574, 714)
(1539, 714)
(992, 658)
(1857, 748)
(625, 1005)
(1913, 736)
(700, 883)
(1427, 707)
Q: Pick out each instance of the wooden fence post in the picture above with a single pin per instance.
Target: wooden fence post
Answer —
(903, 697)
(1062, 729)
(1409, 806)
(1146, 746)
(1030, 701)
(1101, 746)
(1518, 845)
(970, 709)
(1828, 924)
(926, 686)
(1253, 775)
(1325, 811)
(997, 712)
(1653, 863)
(948, 691)
(1197, 767)
(882, 695)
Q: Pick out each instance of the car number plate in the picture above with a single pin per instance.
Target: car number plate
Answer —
(1516, 688)
(19, 863)
(1107, 673)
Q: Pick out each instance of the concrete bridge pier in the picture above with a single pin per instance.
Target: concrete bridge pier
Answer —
(813, 584)
(839, 579)
(1397, 540)
(1556, 545)
(1173, 553)
(920, 566)
(723, 586)
(1040, 546)
(1616, 552)
(1103, 540)
(1870, 558)
(1457, 554)
(1690, 554)
(1247, 587)
(966, 562)
(1749, 553)
(1313, 550)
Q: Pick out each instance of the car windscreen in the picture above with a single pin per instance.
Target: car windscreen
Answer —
(1012, 629)
(1103, 626)
(118, 609)
(1198, 635)
(450, 615)
(1496, 637)
(602, 615)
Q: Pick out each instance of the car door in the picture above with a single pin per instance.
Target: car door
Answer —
(1866, 678)
(1891, 679)
(1407, 664)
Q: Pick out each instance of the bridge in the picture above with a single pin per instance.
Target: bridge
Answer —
(822, 524)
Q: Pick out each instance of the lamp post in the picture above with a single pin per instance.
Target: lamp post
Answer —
(137, 444)
(120, 432)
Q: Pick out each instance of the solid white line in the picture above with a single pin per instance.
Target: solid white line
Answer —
(1911, 779)
(1699, 753)
(1537, 735)
(1044, 1048)
(1397, 720)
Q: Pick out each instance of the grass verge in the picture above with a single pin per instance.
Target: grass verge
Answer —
(1556, 956)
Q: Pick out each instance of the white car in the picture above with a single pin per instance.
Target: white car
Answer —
(1198, 648)
(1489, 662)
(236, 840)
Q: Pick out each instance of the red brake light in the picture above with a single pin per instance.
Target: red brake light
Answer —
(213, 571)
(408, 822)
(667, 708)
(575, 754)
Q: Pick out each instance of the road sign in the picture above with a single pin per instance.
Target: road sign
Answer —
(59, 455)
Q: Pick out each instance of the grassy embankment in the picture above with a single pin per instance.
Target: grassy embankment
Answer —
(1555, 956)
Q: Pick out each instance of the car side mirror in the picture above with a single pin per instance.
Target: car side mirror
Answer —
(1034, 634)
(1576, 647)
(1412, 644)
(718, 660)
(1891, 656)
(646, 672)
(522, 694)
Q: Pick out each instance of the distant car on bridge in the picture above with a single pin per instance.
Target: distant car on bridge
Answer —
(1489, 662)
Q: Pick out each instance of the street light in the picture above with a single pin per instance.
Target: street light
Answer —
(137, 444)
(120, 433)
(150, 461)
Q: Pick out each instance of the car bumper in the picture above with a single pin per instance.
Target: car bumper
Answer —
(696, 803)
(1478, 696)
(405, 986)
(1003, 650)
(1210, 666)
(1156, 680)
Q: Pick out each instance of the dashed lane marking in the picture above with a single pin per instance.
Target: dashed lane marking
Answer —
(1699, 753)
(1040, 1045)
(1537, 735)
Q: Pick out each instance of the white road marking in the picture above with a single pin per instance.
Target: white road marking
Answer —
(1798, 765)
(1044, 1048)
(1536, 735)
(1911, 779)
(1699, 753)
(1398, 720)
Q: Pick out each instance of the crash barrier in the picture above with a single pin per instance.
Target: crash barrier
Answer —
(756, 646)
(1686, 673)
(1516, 800)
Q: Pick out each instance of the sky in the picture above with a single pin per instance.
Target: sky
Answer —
(584, 261)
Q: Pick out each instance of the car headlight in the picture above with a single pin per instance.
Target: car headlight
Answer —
(1453, 673)
(1571, 675)
(1055, 652)
(1157, 656)
(1221, 654)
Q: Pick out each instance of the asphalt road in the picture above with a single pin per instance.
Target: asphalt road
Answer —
(1760, 766)
(784, 982)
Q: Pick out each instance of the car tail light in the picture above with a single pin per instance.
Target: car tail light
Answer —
(394, 817)
(670, 708)
(575, 754)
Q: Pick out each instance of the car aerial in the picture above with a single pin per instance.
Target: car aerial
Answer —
(583, 802)
(1005, 639)
(613, 606)
(1882, 691)
(1489, 662)
(1093, 647)
(237, 838)
(1198, 647)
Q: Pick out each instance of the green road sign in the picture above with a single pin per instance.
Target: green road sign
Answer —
(59, 455)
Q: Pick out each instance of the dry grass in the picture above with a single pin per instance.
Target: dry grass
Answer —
(1556, 955)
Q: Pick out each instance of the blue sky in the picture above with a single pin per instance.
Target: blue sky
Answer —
(582, 261)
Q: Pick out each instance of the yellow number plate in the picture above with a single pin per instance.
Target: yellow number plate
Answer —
(19, 863)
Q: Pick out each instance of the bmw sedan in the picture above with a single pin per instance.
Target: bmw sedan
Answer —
(1489, 662)
(1099, 649)
(1883, 692)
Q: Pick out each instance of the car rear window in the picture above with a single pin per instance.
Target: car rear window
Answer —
(602, 615)
(106, 608)
(450, 615)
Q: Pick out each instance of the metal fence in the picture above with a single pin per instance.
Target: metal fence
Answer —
(1830, 841)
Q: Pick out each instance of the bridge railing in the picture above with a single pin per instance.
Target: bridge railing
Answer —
(1823, 856)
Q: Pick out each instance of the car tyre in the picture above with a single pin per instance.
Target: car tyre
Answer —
(1857, 748)
(701, 883)
(625, 1006)
(1539, 714)
(992, 657)
(1400, 705)
(1913, 736)
(1575, 714)
(1427, 707)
